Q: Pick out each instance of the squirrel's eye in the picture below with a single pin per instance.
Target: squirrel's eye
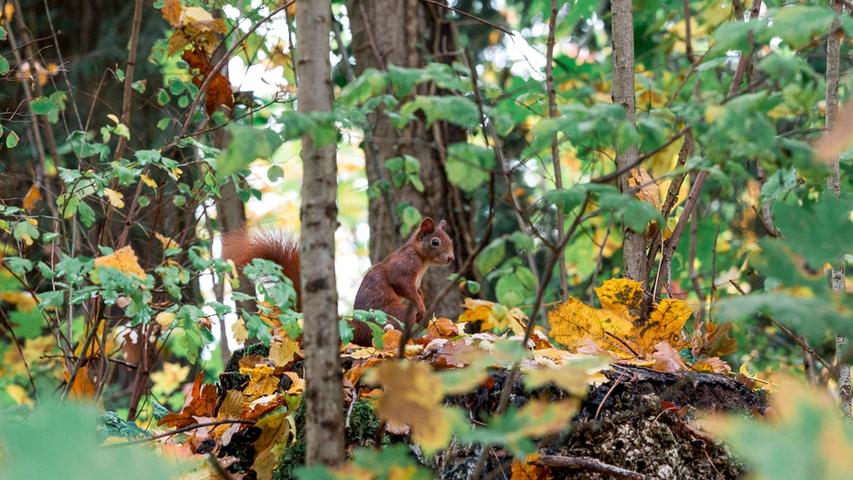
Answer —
(435, 242)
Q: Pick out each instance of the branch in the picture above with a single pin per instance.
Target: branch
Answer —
(129, 73)
(588, 464)
(469, 15)
(181, 430)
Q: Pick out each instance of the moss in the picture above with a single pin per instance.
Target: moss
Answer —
(361, 432)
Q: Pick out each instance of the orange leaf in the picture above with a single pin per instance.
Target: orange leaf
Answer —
(32, 197)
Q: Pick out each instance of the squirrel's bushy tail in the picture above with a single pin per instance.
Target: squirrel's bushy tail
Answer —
(243, 246)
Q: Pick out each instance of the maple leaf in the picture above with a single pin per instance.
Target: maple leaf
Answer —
(493, 316)
(665, 323)
(284, 351)
(124, 260)
(622, 296)
(412, 395)
(573, 322)
(200, 402)
(261, 381)
(617, 330)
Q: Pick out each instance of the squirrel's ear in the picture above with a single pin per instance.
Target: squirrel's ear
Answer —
(443, 225)
(427, 227)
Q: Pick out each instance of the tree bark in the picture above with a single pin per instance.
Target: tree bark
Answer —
(833, 186)
(633, 244)
(397, 32)
(324, 428)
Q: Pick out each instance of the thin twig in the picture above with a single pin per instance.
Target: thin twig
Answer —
(469, 15)
(181, 430)
(796, 338)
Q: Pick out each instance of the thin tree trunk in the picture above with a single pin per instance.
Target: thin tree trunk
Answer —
(833, 184)
(324, 428)
(633, 245)
(129, 73)
(555, 149)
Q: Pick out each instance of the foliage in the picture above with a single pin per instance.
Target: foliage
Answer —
(111, 219)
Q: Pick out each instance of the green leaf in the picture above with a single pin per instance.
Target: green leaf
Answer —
(469, 166)
(247, 145)
(491, 256)
(12, 139)
(819, 232)
(68, 432)
(50, 106)
(275, 172)
(4, 65)
(456, 110)
(148, 156)
(811, 317)
(369, 84)
(798, 24)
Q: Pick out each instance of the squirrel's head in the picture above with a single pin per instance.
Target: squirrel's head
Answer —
(433, 243)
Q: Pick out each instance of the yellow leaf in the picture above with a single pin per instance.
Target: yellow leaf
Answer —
(527, 469)
(171, 12)
(713, 112)
(275, 430)
(116, 198)
(241, 334)
(32, 197)
(297, 386)
(573, 377)
(621, 296)
(165, 319)
(261, 380)
(148, 181)
(540, 417)
(82, 386)
(23, 301)
(8, 11)
(18, 394)
(573, 322)
(282, 352)
(170, 378)
(123, 260)
(665, 324)
(167, 242)
(412, 395)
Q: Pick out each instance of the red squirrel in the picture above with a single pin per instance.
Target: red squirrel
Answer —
(388, 286)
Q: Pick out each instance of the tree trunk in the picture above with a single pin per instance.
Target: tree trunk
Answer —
(633, 244)
(409, 33)
(833, 186)
(324, 392)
